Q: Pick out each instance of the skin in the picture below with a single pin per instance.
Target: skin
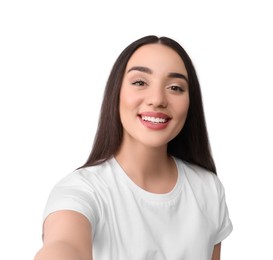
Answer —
(216, 252)
(67, 236)
(155, 81)
(148, 87)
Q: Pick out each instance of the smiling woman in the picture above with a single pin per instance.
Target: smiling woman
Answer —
(154, 90)
(149, 188)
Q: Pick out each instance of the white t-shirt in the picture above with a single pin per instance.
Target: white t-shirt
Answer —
(131, 223)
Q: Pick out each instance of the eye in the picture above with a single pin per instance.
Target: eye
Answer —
(139, 83)
(176, 88)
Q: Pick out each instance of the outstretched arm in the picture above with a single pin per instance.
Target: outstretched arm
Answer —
(67, 236)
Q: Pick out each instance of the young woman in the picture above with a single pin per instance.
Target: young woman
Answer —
(149, 189)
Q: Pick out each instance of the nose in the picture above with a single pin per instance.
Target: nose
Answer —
(157, 97)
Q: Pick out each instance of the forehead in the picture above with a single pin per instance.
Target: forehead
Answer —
(157, 56)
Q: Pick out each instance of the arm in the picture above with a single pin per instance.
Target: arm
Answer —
(67, 236)
(216, 252)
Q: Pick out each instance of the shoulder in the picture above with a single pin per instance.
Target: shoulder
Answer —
(208, 192)
(82, 185)
(80, 191)
(204, 183)
(197, 173)
(91, 177)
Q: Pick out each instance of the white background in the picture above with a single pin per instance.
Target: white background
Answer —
(55, 57)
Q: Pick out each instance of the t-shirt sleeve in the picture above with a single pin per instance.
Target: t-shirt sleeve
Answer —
(75, 193)
(224, 223)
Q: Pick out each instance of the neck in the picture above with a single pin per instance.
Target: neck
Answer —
(149, 168)
(144, 163)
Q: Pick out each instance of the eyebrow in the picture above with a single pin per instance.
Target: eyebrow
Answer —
(141, 69)
(149, 71)
(177, 75)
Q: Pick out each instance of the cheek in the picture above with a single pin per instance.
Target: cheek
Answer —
(128, 100)
(185, 108)
(182, 107)
(182, 116)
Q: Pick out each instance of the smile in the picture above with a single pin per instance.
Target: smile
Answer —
(154, 120)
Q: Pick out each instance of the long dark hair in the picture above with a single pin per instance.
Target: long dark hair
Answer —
(191, 144)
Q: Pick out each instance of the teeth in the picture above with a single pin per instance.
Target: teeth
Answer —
(155, 120)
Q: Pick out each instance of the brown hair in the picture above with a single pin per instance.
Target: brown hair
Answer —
(191, 144)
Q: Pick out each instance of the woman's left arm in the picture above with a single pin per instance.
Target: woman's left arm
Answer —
(216, 252)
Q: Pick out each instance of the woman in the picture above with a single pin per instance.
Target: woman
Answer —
(149, 189)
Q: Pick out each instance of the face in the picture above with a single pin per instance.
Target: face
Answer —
(154, 96)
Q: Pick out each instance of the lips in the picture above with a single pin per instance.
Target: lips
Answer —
(154, 120)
